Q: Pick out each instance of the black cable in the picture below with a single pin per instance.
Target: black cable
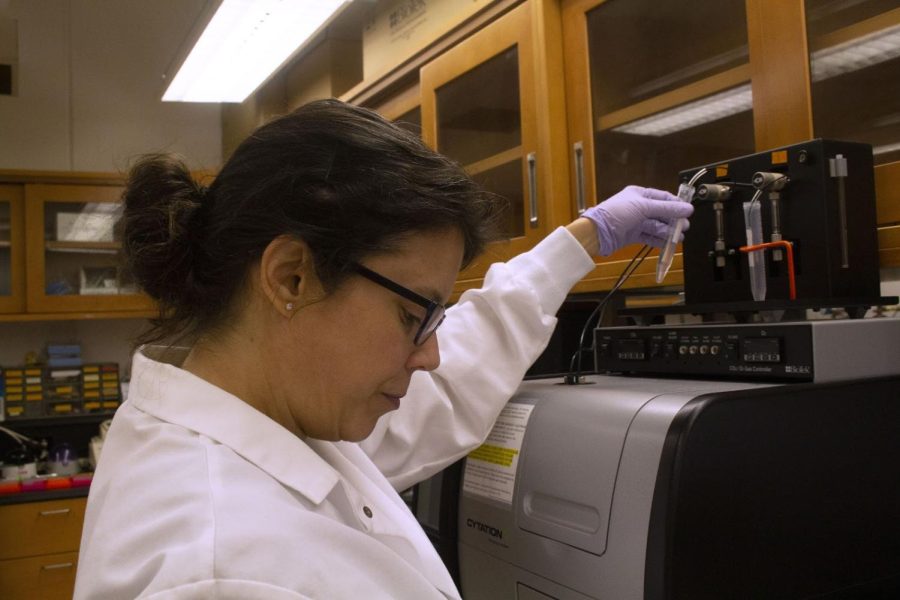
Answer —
(574, 375)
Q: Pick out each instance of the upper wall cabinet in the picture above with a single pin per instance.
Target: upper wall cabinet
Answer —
(73, 251)
(653, 88)
(555, 105)
(489, 103)
(12, 250)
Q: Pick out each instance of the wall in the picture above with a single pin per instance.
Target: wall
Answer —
(326, 70)
(90, 83)
(88, 99)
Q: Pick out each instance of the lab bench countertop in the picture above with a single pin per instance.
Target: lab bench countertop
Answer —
(43, 496)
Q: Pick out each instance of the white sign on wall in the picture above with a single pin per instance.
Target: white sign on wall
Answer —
(401, 28)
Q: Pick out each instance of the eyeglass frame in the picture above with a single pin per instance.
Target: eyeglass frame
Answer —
(431, 307)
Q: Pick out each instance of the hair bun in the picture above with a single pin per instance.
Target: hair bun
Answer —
(162, 203)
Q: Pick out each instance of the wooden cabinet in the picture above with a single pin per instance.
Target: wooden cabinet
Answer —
(594, 91)
(73, 250)
(60, 252)
(653, 89)
(493, 103)
(403, 107)
(39, 548)
(12, 249)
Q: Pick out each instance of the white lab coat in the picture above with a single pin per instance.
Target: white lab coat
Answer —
(198, 495)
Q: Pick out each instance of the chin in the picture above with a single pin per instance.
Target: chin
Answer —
(356, 436)
(359, 431)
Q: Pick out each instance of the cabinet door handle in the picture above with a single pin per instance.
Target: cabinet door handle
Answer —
(532, 188)
(60, 511)
(67, 565)
(578, 149)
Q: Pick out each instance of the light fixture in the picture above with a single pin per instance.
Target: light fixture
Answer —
(244, 42)
(711, 108)
(842, 58)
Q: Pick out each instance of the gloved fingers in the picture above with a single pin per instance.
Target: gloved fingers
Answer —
(654, 228)
(652, 240)
(657, 241)
(655, 194)
(666, 210)
(660, 229)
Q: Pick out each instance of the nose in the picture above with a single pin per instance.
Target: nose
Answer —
(426, 357)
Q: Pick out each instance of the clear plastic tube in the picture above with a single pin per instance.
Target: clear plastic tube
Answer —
(756, 260)
(676, 227)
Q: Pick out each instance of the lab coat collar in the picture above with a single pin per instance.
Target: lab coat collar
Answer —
(161, 388)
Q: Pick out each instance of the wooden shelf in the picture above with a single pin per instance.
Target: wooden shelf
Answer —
(857, 30)
(688, 93)
(78, 316)
(492, 162)
(73, 246)
(81, 419)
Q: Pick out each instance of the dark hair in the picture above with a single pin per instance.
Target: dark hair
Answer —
(339, 177)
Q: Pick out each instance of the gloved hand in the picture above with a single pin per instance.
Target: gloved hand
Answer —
(636, 215)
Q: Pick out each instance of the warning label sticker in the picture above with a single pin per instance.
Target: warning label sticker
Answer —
(491, 468)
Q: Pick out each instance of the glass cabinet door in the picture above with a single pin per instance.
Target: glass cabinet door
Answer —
(12, 250)
(653, 88)
(478, 108)
(479, 124)
(854, 65)
(855, 72)
(74, 250)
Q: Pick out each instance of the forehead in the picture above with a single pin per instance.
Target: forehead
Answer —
(425, 262)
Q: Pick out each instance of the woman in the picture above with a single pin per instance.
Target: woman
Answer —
(262, 460)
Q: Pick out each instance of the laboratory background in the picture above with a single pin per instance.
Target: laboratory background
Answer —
(719, 418)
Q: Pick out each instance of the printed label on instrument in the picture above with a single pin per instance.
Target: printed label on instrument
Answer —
(491, 468)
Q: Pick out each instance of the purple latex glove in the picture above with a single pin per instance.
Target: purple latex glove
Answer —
(636, 215)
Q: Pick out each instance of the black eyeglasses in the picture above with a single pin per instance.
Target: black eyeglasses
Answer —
(434, 312)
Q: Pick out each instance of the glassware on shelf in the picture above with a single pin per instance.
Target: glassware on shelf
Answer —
(81, 250)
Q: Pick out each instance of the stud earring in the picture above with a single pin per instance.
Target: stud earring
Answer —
(289, 306)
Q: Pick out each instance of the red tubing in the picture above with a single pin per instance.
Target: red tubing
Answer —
(789, 248)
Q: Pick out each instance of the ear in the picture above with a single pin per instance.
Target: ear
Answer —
(287, 275)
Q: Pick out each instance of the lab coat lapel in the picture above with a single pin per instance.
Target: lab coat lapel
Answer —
(390, 521)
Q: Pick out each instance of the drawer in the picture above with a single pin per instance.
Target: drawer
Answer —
(39, 577)
(35, 528)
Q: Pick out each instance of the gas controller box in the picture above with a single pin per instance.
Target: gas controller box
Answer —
(817, 351)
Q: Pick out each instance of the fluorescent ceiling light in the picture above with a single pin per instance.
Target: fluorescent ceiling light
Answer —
(711, 108)
(856, 54)
(850, 56)
(244, 43)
